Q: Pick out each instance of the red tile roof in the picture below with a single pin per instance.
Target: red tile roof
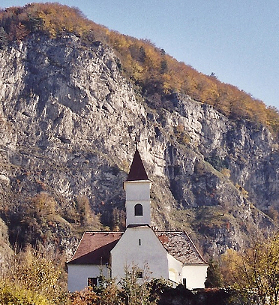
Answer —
(94, 248)
(137, 170)
(181, 247)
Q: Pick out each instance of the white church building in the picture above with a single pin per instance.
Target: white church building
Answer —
(170, 255)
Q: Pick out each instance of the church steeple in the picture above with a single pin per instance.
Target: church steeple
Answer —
(137, 187)
(137, 170)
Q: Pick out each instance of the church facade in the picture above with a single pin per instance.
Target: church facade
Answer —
(170, 255)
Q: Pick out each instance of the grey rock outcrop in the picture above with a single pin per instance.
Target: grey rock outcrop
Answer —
(69, 119)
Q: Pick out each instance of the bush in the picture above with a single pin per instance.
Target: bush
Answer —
(15, 295)
(33, 278)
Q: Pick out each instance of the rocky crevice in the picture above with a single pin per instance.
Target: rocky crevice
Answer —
(68, 125)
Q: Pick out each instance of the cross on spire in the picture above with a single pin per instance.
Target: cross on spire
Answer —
(137, 139)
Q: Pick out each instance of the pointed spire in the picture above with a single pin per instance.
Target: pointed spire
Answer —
(137, 170)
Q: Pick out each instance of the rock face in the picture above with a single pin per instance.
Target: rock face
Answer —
(69, 120)
(5, 250)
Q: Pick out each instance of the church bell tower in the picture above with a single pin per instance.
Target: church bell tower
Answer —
(137, 187)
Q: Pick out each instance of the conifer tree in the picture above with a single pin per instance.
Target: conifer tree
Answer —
(214, 276)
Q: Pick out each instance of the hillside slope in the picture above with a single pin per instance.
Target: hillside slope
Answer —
(69, 119)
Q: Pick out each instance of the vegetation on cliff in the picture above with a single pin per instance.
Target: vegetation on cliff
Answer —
(156, 74)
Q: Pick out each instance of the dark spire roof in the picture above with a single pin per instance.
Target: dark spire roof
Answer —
(137, 170)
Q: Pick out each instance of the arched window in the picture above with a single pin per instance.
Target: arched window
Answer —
(138, 210)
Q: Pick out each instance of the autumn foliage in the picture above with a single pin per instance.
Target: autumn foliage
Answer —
(254, 272)
(156, 75)
(34, 277)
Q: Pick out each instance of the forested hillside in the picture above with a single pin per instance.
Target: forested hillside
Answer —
(155, 73)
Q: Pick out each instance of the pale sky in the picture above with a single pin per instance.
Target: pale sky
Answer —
(238, 40)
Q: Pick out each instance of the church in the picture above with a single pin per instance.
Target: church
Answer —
(170, 255)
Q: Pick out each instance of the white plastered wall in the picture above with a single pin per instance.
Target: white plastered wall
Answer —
(139, 246)
(175, 269)
(137, 192)
(78, 275)
(195, 276)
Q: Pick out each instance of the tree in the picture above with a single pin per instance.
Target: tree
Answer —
(87, 217)
(3, 38)
(135, 286)
(214, 277)
(33, 278)
(86, 296)
(255, 271)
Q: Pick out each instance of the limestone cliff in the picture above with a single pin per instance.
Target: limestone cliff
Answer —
(69, 119)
